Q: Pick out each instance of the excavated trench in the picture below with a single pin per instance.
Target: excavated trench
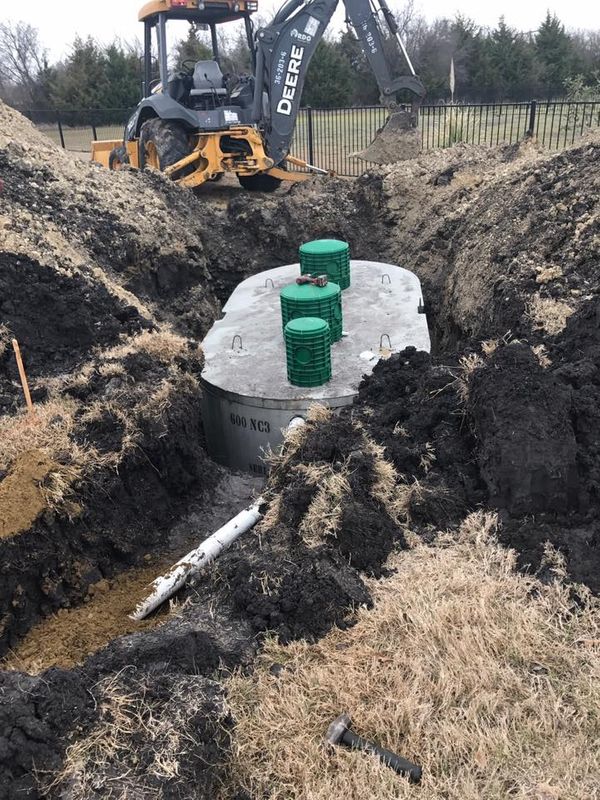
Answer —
(507, 426)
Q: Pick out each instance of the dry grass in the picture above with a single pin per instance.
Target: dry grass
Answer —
(295, 437)
(391, 489)
(468, 365)
(549, 315)
(548, 274)
(541, 353)
(486, 677)
(324, 514)
(50, 431)
(104, 763)
(164, 346)
(52, 428)
(158, 402)
(4, 339)
(385, 474)
(489, 346)
(271, 516)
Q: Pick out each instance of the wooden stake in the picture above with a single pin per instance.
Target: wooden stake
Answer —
(23, 376)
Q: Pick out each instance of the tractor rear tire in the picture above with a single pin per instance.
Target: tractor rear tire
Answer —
(260, 182)
(164, 143)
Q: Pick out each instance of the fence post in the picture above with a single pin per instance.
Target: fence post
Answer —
(531, 127)
(311, 155)
(60, 132)
(95, 135)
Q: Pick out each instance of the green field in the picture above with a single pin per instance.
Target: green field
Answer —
(337, 133)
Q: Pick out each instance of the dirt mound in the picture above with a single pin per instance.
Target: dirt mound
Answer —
(57, 319)
(131, 233)
(36, 713)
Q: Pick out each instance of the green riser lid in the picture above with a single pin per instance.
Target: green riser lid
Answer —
(313, 301)
(329, 256)
(308, 351)
(335, 326)
(322, 247)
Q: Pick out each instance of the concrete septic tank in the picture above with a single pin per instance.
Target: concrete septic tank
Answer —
(247, 399)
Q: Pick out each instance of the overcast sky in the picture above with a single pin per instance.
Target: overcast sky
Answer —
(59, 22)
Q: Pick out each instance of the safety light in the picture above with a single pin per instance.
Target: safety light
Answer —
(178, 3)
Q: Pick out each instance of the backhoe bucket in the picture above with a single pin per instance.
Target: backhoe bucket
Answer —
(398, 140)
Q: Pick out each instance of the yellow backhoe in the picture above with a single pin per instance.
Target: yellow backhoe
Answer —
(195, 127)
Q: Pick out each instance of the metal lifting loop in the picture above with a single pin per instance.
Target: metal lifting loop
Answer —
(382, 337)
(385, 275)
(237, 336)
(267, 283)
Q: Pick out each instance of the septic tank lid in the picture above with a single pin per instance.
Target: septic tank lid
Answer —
(320, 247)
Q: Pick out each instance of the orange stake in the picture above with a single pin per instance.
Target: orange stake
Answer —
(22, 375)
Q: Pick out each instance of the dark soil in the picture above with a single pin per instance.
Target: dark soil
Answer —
(366, 534)
(39, 716)
(301, 596)
(417, 412)
(527, 448)
(57, 320)
(168, 272)
(35, 714)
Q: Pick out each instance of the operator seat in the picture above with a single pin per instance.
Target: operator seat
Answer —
(208, 80)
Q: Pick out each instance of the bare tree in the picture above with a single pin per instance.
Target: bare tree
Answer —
(22, 58)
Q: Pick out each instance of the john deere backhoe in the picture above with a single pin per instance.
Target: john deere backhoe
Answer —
(194, 128)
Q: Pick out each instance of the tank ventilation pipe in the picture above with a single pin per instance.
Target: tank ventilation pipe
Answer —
(164, 587)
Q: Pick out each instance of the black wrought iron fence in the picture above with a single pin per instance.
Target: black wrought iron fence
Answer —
(331, 138)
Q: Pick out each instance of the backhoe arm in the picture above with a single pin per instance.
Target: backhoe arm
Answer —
(285, 47)
(370, 18)
(284, 50)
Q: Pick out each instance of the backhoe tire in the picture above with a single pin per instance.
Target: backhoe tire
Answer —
(260, 182)
(164, 143)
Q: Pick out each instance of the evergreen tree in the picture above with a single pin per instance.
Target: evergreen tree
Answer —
(364, 91)
(555, 55)
(81, 81)
(329, 79)
(511, 62)
(123, 73)
(190, 49)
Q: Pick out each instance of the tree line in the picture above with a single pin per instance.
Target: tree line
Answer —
(490, 65)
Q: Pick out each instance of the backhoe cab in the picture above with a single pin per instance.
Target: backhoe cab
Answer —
(190, 124)
(195, 126)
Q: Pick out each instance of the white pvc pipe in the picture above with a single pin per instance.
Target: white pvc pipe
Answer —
(166, 585)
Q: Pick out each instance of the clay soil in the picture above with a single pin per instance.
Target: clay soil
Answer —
(109, 281)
